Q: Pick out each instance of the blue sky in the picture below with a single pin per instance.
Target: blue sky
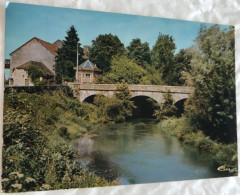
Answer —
(24, 21)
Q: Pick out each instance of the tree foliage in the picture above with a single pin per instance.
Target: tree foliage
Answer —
(139, 52)
(36, 155)
(163, 57)
(116, 108)
(182, 61)
(66, 58)
(214, 103)
(35, 73)
(123, 70)
(103, 49)
(167, 109)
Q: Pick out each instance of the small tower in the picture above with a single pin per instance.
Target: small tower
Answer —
(87, 72)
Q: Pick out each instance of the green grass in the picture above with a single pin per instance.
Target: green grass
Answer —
(36, 132)
(224, 154)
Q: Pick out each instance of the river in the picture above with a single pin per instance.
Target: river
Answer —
(138, 151)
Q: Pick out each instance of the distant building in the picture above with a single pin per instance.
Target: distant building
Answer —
(87, 72)
(35, 51)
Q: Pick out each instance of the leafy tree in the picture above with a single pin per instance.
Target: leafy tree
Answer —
(139, 52)
(182, 62)
(167, 109)
(123, 70)
(163, 57)
(109, 109)
(103, 48)
(66, 58)
(214, 105)
(116, 108)
(123, 94)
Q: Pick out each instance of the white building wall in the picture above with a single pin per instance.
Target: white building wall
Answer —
(19, 76)
(32, 51)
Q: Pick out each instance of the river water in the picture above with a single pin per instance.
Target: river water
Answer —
(138, 151)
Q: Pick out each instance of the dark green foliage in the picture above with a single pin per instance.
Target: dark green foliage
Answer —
(123, 94)
(63, 131)
(66, 59)
(12, 98)
(227, 155)
(116, 108)
(139, 52)
(103, 49)
(182, 61)
(213, 106)
(34, 72)
(36, 155)
(163, 57)
(167, 109)
(224, 155)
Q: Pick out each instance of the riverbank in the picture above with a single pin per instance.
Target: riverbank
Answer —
(225, 155)
(38, 127)
(36, 151)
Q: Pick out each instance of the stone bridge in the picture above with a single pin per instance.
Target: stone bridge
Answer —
(156, 92)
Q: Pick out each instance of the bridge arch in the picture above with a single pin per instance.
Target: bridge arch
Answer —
(180, 106)
(145, 106)
(90, 98)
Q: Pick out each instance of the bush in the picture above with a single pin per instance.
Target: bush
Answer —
(205, 145)
(63, 131)
(227, 155)
(167, 109)
(35, 157)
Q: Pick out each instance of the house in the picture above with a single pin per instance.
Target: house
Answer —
(87, 72)
(37, 52)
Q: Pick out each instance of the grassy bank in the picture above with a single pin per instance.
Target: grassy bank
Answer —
(36, 153)
(224, 154)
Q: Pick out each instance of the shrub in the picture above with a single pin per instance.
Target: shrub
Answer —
(63, 131)
(227, 155)
(167, 109)
(205, 144)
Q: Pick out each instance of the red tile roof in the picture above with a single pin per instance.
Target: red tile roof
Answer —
(49, 46)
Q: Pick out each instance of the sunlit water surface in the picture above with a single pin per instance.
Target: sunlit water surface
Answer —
(139, 152)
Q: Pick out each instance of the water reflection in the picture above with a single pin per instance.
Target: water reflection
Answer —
(138, 152)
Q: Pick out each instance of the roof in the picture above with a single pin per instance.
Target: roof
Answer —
(49, 46)
(88, 64)
(40, 65)
(58, 42)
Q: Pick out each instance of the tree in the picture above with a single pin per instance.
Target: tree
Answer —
(163, 57)
(139, 52)
(103, 49)
(116, 108)
(214, 103)
(182, 61)
(167, 109)
(66, 57)
(123, 70)
(123, 94)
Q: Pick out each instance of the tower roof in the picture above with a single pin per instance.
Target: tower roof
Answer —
(88, 64)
